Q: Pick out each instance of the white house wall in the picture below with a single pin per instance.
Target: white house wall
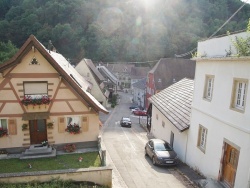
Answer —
(224, 72)
(218, 46)
(208, 163)
(223, 124)
(158, 131)
(139, 93)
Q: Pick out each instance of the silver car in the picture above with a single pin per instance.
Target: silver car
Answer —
(161, 152)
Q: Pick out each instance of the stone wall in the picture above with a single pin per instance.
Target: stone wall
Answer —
(98, 175)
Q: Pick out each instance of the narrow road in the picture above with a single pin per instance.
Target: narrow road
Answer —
(125, 149)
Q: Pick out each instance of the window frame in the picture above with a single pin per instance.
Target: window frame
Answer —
(235, 94)
(202, 138)
(35, 95)
(163, 124)
(208, 87)
(73, 117)
(1, 126)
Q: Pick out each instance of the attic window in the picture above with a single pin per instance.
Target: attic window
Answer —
(34, 62)
(35, 90)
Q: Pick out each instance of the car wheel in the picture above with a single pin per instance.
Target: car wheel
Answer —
(153, 160)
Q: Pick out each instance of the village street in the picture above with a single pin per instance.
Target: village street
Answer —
(125, 153)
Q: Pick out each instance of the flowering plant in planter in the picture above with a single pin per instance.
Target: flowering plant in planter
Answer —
(3, 132)
(45, 143)
(73, 129)
(50, 125)
(24, 126)
(69, 148)
(27, 100)
(3, 152)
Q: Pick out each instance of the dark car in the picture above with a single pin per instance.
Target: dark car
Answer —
(125, 122)
(133, 107)
(140, 113)
(161, 152)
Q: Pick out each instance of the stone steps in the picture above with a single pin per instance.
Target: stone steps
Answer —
(38, 151)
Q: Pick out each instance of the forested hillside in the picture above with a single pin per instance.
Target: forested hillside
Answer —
(118, 30)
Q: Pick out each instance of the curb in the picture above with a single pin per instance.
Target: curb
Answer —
(188, 179)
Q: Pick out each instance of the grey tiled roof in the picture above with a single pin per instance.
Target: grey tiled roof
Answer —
(141, 84)
(91, 65)
(169, 69)
(119, 67)
(139, 72)
(174, 103)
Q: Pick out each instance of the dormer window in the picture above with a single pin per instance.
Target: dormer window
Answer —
(34, 61)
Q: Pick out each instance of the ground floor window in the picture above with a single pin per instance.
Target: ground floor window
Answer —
(202, 138)
(3, 124)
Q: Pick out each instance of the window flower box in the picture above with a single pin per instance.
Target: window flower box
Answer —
(29, 100)
(24, 127)
(50, 125)
(73, 129)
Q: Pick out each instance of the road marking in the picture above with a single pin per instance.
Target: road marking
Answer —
(133, 147)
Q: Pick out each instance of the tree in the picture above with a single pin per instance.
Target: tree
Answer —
(7, 50)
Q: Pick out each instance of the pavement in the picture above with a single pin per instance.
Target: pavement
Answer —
(195, 179)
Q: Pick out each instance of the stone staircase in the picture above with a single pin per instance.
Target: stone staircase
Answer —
(38, 151)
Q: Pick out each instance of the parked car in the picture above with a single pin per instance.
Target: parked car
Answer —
(133, 107)
(126, 122)
(161, 152)
(140, 113)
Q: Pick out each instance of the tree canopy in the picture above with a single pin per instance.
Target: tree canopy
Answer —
(115, 30)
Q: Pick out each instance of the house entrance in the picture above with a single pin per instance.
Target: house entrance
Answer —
(230, 162)
(38, 131)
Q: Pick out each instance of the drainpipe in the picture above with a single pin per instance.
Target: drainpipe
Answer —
(186, 149)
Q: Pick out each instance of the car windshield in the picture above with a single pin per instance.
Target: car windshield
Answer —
(162, 147)
(126, 119)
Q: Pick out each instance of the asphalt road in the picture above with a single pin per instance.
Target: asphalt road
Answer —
(125, 152)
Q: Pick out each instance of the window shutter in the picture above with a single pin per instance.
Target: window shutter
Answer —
(12, 128)
(85, 124)
(61, 125)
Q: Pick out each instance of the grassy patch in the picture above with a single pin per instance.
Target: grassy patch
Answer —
(59, 162)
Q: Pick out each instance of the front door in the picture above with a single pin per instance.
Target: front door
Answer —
(38, 131)
(230, 162)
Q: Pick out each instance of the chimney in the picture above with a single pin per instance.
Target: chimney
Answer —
(50, 45)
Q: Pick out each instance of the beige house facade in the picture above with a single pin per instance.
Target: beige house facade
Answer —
(41, 96)
(87, 69)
